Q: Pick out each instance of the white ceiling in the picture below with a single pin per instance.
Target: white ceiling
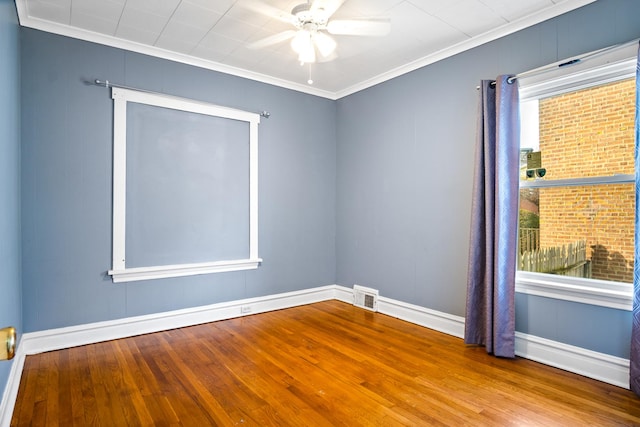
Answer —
(215, 34)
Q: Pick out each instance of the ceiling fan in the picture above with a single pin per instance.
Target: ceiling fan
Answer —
(314, 28)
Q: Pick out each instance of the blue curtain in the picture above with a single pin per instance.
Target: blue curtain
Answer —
(490, 317)
(634, 371)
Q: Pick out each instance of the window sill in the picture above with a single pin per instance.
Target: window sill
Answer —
(592, 180)
(165, 271)
(596, 292)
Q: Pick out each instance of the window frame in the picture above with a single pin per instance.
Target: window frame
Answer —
(119, 271)
(602, 67)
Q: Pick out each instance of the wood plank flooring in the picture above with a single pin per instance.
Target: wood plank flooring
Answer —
(325, 364)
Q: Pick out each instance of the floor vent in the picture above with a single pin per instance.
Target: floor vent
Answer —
(366, 298)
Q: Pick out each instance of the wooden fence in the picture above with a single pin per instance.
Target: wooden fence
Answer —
(566, 260)
(528, 239)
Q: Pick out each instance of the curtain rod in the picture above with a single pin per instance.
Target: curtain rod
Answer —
(108, 84)
(569, 62)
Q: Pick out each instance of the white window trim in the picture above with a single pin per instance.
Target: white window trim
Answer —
(119, 271)
(572, 182)
(596, 292)
(594, 70)
(616, 64)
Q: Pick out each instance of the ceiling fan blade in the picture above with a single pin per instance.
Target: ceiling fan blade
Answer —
(359, 27)
(267, 10)
(271, 40)
(329, 6)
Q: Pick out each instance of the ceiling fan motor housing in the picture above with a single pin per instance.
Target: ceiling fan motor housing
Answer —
(309, 19)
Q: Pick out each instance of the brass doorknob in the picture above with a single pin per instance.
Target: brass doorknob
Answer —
(7, 343)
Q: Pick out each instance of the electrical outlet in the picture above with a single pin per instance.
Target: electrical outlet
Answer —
(245, 309)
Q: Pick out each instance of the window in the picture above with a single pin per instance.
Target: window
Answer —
(577, 184)
(184, 189)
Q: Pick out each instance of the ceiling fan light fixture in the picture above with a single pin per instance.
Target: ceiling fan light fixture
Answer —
(307, 56)
(301, 41)
(325, 44)
(302, 44)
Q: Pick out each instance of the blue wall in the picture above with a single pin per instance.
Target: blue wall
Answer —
(66, 185)
(10, 303)
(405, 164)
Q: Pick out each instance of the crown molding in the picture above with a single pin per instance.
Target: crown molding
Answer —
(103, 39)
(512, 27)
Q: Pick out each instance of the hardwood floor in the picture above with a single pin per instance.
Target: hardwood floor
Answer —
(325, 364)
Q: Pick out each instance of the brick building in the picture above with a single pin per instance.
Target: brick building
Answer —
(583, 134)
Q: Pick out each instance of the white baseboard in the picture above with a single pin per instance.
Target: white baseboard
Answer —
(343, 294)
(11, 390)
(599, 366)
(432, 319)
(56, 339)
(592, 364)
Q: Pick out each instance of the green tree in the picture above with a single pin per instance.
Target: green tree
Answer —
(528, 219)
